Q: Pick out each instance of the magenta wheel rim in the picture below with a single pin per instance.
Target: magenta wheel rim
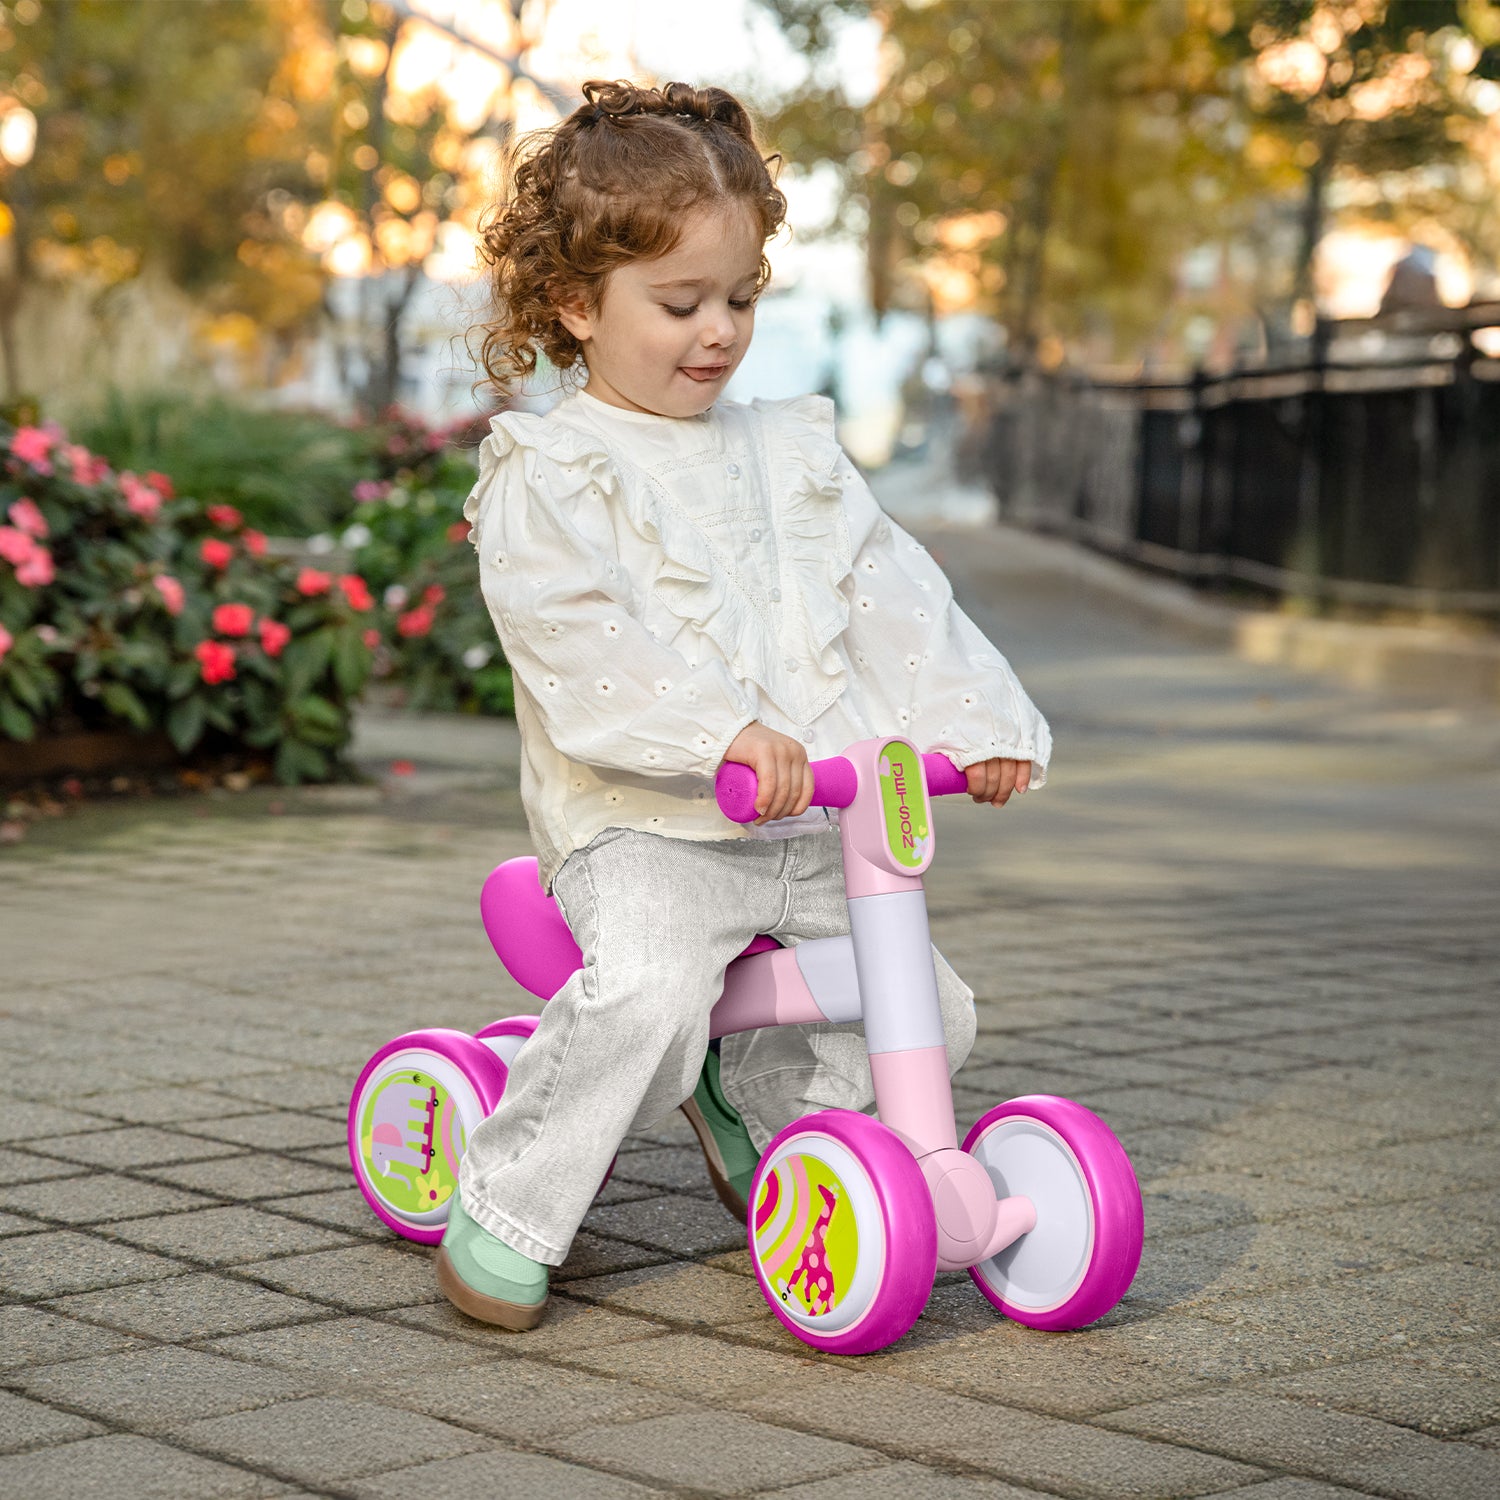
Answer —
(464, 1078)
(897, 1233)
(1108, 1247)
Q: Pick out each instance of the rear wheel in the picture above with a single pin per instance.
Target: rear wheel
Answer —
(411, 1114)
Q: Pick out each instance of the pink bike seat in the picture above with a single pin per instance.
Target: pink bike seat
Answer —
(529, 934)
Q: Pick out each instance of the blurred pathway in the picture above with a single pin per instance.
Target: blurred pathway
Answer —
(1251, 921)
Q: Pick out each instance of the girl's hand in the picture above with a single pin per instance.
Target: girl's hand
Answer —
(784, 779)
(993, 781)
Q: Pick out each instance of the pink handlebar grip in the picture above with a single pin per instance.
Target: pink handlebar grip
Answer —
(834, 784)
(943, 777)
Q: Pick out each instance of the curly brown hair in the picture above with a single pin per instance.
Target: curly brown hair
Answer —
(609, 185)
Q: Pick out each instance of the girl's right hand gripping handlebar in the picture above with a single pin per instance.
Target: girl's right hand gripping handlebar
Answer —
(835, 783)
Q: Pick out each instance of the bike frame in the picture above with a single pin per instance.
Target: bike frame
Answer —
(882, 974)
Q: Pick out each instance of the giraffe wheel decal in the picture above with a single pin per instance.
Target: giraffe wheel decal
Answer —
(842, 1235)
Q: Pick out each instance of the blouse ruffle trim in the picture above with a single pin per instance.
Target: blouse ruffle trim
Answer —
(698, 583)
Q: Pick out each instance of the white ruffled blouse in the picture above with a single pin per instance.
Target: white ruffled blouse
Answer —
(658, 583)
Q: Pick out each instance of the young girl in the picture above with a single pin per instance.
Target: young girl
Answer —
(677, 581)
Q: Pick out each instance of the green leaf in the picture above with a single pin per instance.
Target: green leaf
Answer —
(351, 661)
(15, 722)
(296, 761)
(185, 723)
(183, 678)
(123, 703)
(306, 659)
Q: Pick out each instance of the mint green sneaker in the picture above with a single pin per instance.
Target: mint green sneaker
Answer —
(727, 1148)
(485, 1278)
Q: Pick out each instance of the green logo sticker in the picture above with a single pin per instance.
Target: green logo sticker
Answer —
(412, 1138)
(903, 797)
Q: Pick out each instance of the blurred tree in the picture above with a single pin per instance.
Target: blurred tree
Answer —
(1059, 162)
(1374, 91)
(248, 151)
(157, 138)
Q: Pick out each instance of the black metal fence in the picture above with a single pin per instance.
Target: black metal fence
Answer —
(1374, 484)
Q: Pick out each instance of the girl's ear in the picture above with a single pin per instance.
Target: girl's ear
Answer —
(574, 315)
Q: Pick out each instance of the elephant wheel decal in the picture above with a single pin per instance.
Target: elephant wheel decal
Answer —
(412, 1140)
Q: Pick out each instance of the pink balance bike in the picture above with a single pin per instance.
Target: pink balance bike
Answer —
(850, 1216)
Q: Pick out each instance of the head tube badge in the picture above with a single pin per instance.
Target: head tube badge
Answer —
(903, 799)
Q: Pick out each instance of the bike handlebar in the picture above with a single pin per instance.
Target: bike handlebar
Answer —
(834, 784)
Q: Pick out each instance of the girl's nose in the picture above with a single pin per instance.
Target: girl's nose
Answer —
(719, 328)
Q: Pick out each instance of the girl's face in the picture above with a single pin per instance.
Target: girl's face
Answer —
(668, 333)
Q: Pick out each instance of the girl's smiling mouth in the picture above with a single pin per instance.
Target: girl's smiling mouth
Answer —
(704, 372)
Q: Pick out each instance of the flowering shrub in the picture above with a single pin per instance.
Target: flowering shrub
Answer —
(437, 642)
(123, 604)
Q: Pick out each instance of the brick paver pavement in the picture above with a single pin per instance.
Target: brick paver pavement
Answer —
(1252, 922)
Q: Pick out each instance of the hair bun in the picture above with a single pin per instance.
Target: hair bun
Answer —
(620, 99)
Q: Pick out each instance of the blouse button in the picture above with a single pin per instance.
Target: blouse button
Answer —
(775, 596)
(755, 533)
(808, 735)
(733, 470)
(791, 664)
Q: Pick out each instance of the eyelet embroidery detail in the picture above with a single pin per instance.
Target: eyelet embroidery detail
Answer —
(703, 742)
(969, 700)
(604, 687)
(869, 565)
(691, 694)
(663, 685)
(651, 757)
(921, 614)
(580, 785)
(913, 663)
(902, 717)
(551, 684)
(614, 798)
(866, 603)
(551, 628)
(500, 560)
(611, 627)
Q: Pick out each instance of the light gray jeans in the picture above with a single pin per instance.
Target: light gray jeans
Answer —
(621, 1044)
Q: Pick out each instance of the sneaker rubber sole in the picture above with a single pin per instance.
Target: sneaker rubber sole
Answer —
(516, 1316)
(714, 1160)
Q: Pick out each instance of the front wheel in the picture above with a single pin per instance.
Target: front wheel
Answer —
(1081, 1257)
(842, 1234)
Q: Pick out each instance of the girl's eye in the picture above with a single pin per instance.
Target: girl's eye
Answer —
(739, 305)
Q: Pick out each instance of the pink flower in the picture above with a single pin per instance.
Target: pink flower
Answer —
(402, 768)
(434, 593)
(216, 661)
(372, 638)
(356, 591)
(215, 553)
(415, 621)
(86, 467)
(36, 571)
(233, 619)
(226, 517)
(140, 498)
(15, 545)
(458, 531)
(368, 490)
(254, 543)
(273, 636)
(172, 593)
(32, 445)
(161, 484)
(7, 640)
(25, 514)
(310, 581)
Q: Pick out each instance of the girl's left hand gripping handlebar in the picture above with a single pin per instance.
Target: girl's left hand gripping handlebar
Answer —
(834, 784)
